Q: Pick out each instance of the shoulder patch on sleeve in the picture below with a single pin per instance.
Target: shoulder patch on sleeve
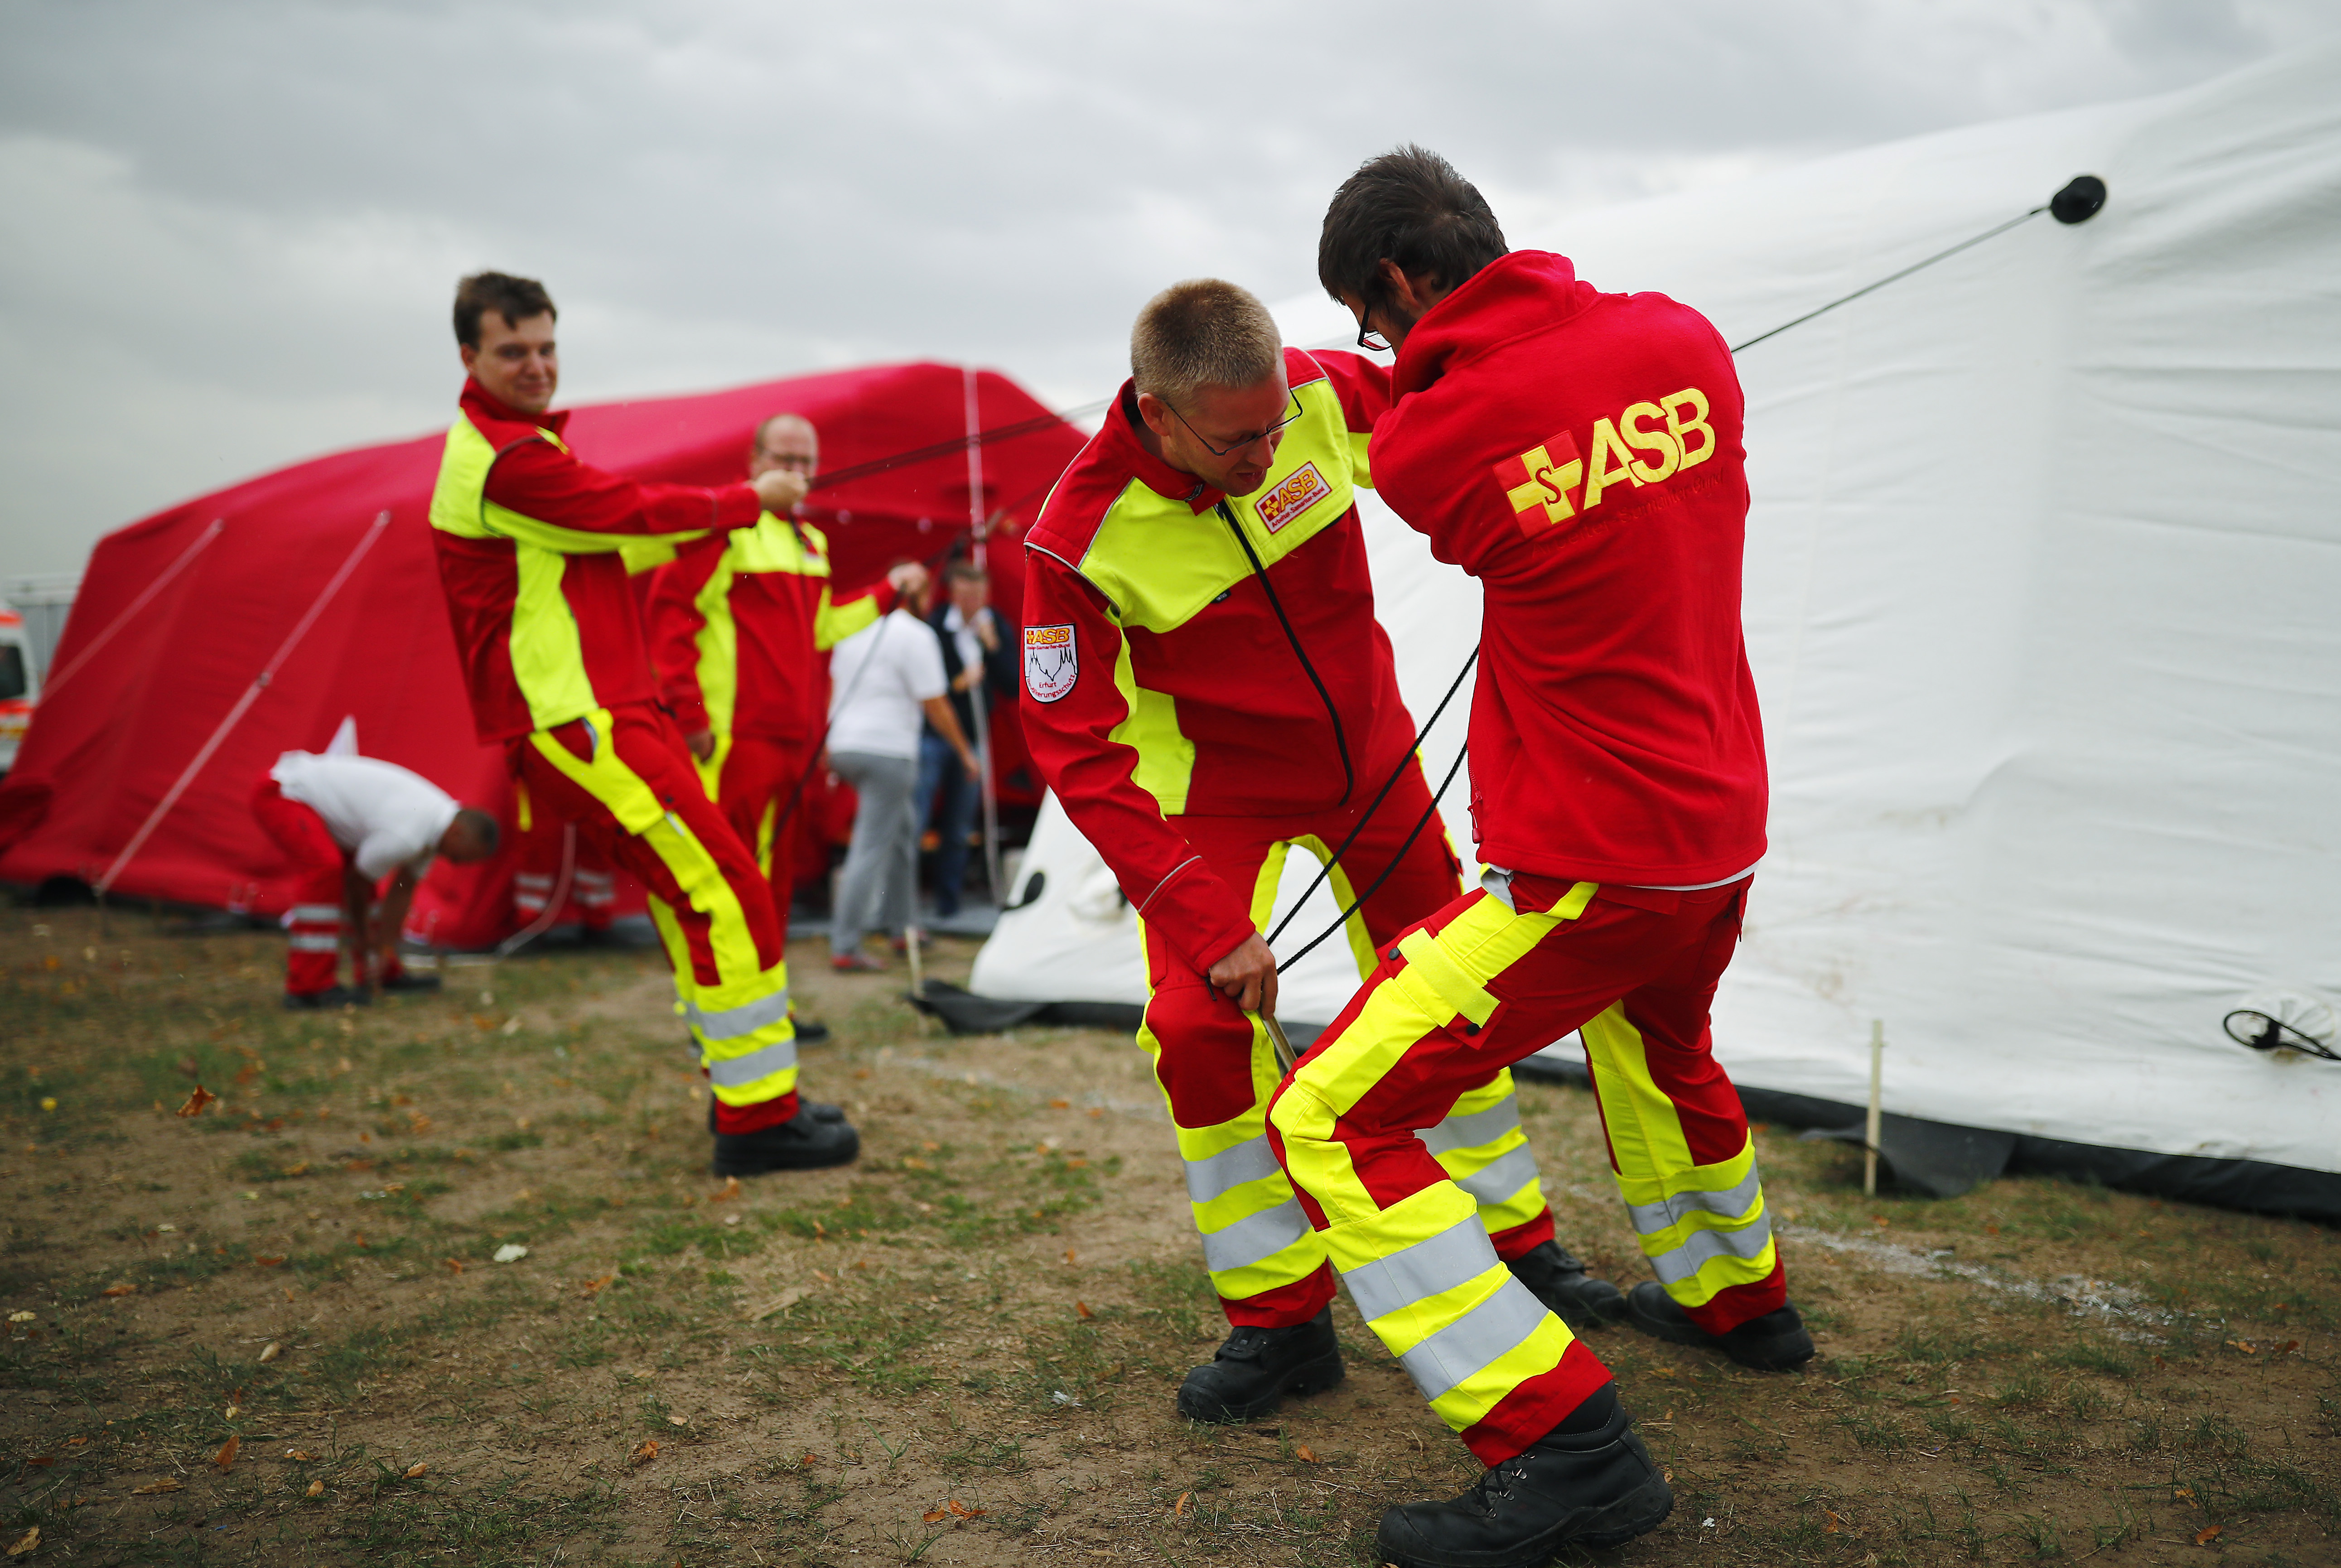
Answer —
(1052, 662)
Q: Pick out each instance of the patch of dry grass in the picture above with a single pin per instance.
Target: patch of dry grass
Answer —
(963, 1349)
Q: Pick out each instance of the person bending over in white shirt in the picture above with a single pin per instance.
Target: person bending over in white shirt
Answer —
(346, 823)
(883, 681)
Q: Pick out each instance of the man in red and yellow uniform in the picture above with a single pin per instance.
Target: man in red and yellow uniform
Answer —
(1206, 688)
(551, 647)
(1579, 453)
(737, 625)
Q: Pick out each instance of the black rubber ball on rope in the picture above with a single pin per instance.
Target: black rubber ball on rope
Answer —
(2079, 201)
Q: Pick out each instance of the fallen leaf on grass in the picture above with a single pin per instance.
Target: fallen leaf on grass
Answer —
(645, 1453)
(678, 1420)
(26, 1543)
(1061, 1104)
(453, 1266)
(1180, 1507)
(23, 1316)
(43, 1461)
(2209, 1534)
(123, 1289)
(197, 1101)
(1302, 1451)
(731, 1189)
(414, 1470)
(227, 1452)
(300, 1455)
(933, 1516)
(233, 1411)
(300, 1170)
(2246, 1347)
(961, 1511)
(270, 1262)
(75, 1441)
(1834, 1524)
(1083, 1308)
(316, 1489)
(169, 1484)
(510, 1252)
(270, 1352)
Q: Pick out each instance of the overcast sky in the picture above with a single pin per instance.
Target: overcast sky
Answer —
(229, 231)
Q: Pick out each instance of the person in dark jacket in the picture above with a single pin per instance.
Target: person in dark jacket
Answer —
(978, 662)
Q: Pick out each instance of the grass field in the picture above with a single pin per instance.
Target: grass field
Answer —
(277, 1331)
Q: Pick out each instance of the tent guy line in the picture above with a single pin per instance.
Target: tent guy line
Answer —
(2080, 200)
(81, 658)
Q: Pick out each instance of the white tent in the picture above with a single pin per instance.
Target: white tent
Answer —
(2044, 602)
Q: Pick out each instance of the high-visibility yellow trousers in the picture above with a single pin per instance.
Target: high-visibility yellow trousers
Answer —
(1217, 1069)
(625, 778)
(1482, 983)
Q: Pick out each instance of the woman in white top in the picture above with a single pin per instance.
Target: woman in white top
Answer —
(883, 681)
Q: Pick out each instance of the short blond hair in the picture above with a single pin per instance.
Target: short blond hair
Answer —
(1203, 332)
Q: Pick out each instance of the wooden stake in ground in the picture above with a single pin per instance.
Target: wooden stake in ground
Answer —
(1869, 1135)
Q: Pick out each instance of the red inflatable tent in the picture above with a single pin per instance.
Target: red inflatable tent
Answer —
(211, 637)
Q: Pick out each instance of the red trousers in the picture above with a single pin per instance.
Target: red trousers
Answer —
(749, 779)
(1483, 983)
(1217, 1070)
(313, 948)
(625, 778)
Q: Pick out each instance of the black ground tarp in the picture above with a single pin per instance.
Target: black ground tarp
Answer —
(1938, 1159)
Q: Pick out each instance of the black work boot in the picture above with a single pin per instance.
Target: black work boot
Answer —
(817, 1135)
(1587, 1482)
(1257, 1366)
(325, 1001)
(809, 1031)
(413, 983)
(1556, 1279)
(1777, 1341)
(814, 1108)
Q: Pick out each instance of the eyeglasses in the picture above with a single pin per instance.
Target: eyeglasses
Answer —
(1367, 338)
(1242, 440)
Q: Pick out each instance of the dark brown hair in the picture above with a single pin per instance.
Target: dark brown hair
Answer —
(1411, 208)
(513, 298)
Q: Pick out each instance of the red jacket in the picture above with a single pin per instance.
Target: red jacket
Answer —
(737, 623)
(1157, 681)
(1579, 453)
(513, 508)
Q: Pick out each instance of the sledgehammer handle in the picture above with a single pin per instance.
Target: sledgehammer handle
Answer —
(1285, 1055)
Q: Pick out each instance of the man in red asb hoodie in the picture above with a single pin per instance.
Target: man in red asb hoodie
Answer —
(528, 541)
(1579, 453)
(1206, 688)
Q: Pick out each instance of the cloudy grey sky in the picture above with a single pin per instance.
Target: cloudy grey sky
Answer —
(228, 232)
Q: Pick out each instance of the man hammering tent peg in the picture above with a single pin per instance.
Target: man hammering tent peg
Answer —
(1579, 453)
(1206, 689)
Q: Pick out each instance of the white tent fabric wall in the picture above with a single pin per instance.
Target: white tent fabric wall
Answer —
(2044, 602)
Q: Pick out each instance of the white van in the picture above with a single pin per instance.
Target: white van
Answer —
(20, 684)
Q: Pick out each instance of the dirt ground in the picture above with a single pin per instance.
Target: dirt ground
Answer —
(277, 1332)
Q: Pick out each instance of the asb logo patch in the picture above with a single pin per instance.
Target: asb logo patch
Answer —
(1645, 444)
(1295, 493)
(1051, 663)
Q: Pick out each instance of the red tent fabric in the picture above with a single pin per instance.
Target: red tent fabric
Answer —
(210, 637)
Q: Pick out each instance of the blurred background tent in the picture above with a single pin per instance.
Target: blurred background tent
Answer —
(2043, 603)
(209, 638)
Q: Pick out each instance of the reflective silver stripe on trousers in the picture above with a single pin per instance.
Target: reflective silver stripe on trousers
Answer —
(1254, 1237)
(316, 913)
(1682, 1262)
(755, 1065)
(1477, 1338)
(1456, 1255)
(301, 943)
(733, 1022)
(1470, 1132)
(1732, 1203)
(1247, 1162)
(1499, 1178)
